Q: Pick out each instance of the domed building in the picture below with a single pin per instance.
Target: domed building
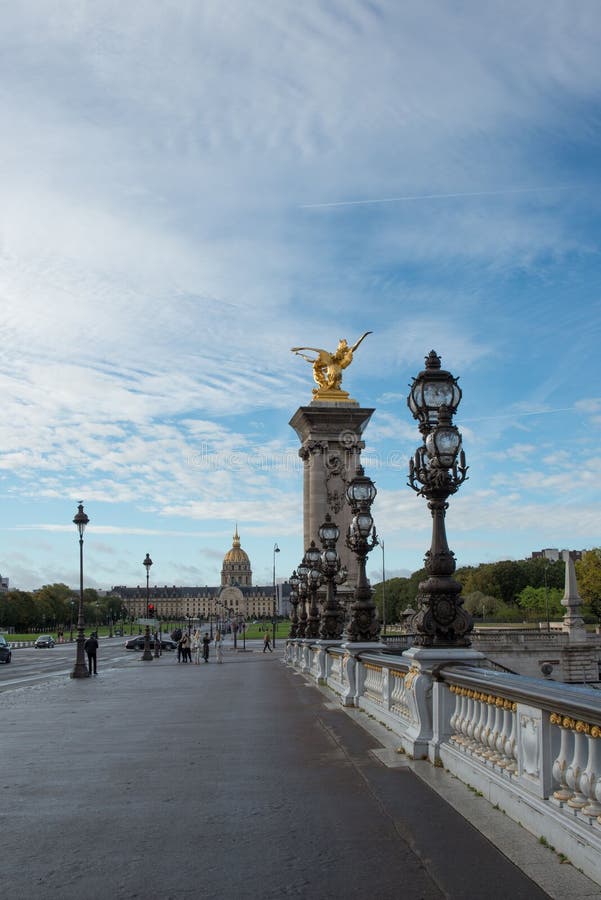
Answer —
(236, 568)
(236, 598)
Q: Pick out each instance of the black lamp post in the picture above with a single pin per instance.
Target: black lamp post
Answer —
(276, 549)
(80, 670)
(332, 619)
(435, 472)
(312, 557)
(361, 539)
(71, 604)
(294, 583)
(147, 655)
(303, 591)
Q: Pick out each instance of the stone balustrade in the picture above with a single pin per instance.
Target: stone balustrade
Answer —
(530, 746)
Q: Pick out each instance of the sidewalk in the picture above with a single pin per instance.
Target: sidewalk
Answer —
(223, 781)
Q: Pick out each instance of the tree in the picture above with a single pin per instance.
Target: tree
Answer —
(588, 575)
(534, 601)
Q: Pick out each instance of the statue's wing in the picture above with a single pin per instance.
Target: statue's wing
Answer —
(314, 349)
(363, 336)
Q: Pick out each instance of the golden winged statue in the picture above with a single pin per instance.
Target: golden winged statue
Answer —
(327, 367)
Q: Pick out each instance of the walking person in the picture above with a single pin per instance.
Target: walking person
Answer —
(219, 646)
(196, 647)
(267, 643)
(206, 643)
(91, 648)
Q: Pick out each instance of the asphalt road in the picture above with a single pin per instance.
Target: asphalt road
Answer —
(163, 780)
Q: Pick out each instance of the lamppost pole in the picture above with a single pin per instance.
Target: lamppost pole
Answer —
(294, 583)
(313, 557)
(436, 471)
(332, 619)
(383, 590)
(361, 539)
(547, 600)
(147, 655)
(80, 670)
(276, 549)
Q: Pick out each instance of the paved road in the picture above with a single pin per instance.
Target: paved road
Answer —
(163, 780)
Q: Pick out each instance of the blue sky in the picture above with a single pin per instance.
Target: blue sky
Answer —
(189, 190)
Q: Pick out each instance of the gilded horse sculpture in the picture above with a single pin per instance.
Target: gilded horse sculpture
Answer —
(327, 367)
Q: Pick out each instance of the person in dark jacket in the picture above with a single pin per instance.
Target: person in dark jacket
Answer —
(91, 648)
(206, 643)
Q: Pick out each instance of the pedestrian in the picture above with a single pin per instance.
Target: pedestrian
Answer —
(219, 646)
(91, 647)
(196, 646)
(206, 643)
(267, 643)
(185, 645)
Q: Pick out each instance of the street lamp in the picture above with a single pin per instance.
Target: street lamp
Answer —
(294, 583)
(361, 538)
(383, 589)
(276, 549)
(547, 599)
(312, 557)
(332, 619)
(80, 670)
(147, 655)
(435, 472)
(303, 590)
(71, 604)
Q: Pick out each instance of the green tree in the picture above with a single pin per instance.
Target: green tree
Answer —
(534, 602)
(588, 575)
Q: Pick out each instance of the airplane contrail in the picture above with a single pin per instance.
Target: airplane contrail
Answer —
(433, 197)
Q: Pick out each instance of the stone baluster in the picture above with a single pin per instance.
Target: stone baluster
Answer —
(591, 776)
(503, 739)
(482, 711)
(511, 749)
(576, 768)
(487, 742)
(497, 729)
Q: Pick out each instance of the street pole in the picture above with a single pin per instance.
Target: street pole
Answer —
(383, 590)
(147, 655)
(80, 669)
(276, 549)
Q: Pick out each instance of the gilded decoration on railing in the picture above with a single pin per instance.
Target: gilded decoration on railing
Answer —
(491, 699)
(372, 667)
(576, 725)
(396, 674)
(411, 676)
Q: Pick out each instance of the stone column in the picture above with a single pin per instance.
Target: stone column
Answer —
(331, 444)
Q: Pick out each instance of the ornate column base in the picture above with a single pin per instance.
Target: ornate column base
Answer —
(429, 718)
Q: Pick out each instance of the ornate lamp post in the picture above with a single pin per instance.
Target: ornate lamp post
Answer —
(294, 583)
(435, 472)
(276, 549)
(303, 592)
(147, 655)
(80, 670)
(312, 557)
(361, 539)
(332, 618)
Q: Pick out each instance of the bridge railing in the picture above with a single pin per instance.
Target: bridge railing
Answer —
(530, 746)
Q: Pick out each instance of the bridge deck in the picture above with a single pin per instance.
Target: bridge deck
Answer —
(236, 780)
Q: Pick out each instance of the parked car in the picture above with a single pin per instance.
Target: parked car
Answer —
(5, 650)
(137, 643)
(45, 640)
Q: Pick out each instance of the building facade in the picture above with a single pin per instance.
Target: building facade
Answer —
(235, 598)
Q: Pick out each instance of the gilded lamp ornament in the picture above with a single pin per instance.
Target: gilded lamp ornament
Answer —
(436, 471)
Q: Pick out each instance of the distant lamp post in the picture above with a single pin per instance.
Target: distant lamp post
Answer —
(147, 655)
(547, 599)
(276, 549)
(435, 472)
(303, 592)
(332, 619)
(361, 539)
(294, 583)
(383, 589)
(313, 557)
(80, 670)
(71, 604)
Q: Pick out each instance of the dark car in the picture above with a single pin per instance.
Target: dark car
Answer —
(5, 650)
(137, 643)
(45, 640)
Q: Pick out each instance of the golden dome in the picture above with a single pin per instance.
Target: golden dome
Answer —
(236, 554)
